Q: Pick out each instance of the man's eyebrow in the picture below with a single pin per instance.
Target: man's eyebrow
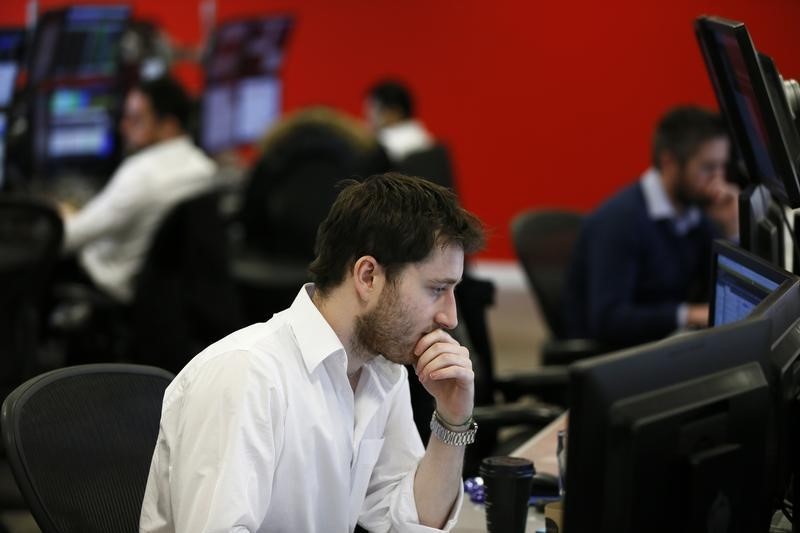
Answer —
(446, 281)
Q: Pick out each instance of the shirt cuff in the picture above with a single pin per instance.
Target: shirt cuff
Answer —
(407, 517)
(682, 315)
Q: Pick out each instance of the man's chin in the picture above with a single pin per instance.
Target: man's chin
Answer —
(408, 359)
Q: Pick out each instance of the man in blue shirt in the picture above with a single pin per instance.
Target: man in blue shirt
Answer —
(640, 267)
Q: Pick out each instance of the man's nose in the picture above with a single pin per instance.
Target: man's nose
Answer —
(447, 317)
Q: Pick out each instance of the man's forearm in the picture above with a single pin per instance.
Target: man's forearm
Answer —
(437, 482)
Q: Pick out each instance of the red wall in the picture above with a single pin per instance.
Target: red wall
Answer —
(542, 103)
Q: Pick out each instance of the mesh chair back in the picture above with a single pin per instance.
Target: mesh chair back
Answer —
(80, 440)
(185, 296)
(543, 240)
(30, 241)
(432, 164)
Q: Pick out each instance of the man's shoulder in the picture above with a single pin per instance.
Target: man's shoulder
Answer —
(626, 207)
(257, 353)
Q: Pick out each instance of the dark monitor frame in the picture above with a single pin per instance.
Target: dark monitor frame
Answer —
(629, 409)
(96, 167)
(58, 19)
(232, 83)
(785, 280)
(782, 142)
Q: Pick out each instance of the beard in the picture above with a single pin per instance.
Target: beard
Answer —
(387, 330)
(686, 196)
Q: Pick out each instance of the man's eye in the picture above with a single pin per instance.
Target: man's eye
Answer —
(438, 290)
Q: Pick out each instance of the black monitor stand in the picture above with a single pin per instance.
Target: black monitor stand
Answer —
(761, 225)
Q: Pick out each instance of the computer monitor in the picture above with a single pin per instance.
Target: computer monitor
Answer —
(742, 283)
(762, 129)
(78, 42)
(749, 291)
(675, 435)
(76, 129)
(3, 130)
(242, 97)
(12, 43)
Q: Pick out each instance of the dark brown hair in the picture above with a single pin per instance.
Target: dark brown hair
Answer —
(394, 218)
(683, 130)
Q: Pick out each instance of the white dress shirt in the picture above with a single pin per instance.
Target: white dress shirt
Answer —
(404, 138)
(114, 230)
(262, 432)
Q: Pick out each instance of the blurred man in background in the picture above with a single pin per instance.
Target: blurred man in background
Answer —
(641, 265)
(112, 233)
(412, 150)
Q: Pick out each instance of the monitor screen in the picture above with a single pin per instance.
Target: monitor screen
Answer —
(243, 91)
(12, 43)
(675, 435)
(247, 48)
(8, 78)
(742, 91)
(75, 130)
(3, 127)
(81, 122)
(740, 282)
(78, 42)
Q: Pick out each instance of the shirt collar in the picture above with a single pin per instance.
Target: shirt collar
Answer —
(404, 138)
(315, 337)
(659, 206)
(317, 341)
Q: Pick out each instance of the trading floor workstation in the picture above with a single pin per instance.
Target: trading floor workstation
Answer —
(698, 432)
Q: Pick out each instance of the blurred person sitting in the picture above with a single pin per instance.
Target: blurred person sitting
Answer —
(390, 112)
(112, 233)
(293, 184)
(640, 268)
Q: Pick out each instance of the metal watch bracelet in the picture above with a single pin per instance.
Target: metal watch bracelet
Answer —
(450, 437)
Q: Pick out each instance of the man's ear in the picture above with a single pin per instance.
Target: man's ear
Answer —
(368, 277)
(669, 163)
(169, 127)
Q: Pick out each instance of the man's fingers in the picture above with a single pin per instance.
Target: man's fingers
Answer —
(428, 340)
(444, 360)
(436, 350)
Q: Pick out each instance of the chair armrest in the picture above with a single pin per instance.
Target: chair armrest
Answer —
(567, 351)
(257, 269)
(513, 414)
(548, 382)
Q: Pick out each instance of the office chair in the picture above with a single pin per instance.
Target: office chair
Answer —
(432, 164)
(543, 240)
(31, 233)
(185, 297)
(80, 440)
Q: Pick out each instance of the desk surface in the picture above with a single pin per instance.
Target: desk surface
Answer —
(541, 449)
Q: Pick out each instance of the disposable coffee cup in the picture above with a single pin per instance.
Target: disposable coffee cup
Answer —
(553, 517)
(507, 482)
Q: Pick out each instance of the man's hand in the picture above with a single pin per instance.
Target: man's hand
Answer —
(697, 316)
(445, 370)
(724, 207)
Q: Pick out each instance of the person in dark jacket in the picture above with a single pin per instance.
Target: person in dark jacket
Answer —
(641, 264)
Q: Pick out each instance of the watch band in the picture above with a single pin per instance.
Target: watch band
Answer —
(450, 437)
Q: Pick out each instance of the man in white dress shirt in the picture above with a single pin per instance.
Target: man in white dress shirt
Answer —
(113, 232)
(303, 423)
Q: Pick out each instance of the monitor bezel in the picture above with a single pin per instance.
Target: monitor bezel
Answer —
(597, 389)
(784, 279)
(784, 166)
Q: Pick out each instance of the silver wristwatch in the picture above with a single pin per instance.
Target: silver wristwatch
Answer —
(453, 438)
